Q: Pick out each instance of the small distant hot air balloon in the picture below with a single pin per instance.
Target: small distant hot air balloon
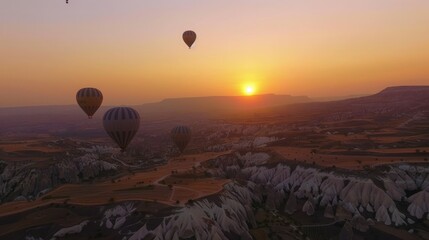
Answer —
(121, 124)
(189, 37)
(181, 136)
(89, 99)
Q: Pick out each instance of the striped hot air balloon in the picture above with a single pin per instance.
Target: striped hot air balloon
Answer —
(189, 37)
(121, 124)
(89, 99)
(181, 136)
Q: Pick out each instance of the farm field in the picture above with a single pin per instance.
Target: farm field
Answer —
(138, 186)
(348, 161)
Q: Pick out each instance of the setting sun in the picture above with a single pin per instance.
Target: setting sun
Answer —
(249, 90)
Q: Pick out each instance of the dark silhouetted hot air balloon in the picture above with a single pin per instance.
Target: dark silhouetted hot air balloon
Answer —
(181, 136)
(189, 37)
(89, 99)
(122, 124)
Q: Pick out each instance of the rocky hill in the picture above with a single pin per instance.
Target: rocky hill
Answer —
(27, 180)
(396, 196)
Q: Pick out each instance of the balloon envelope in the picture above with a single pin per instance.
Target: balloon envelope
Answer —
(189, 37)
(121, 124)
(181, 136)
(89, 99)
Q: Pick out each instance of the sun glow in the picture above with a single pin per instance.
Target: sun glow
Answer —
(249, 90)
(249, 83)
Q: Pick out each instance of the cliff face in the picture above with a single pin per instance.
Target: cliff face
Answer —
(26, 180)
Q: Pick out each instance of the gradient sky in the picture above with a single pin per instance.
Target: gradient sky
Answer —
(132, 49)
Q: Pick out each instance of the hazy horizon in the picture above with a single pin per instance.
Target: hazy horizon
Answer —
(312, 98)
(133, 52)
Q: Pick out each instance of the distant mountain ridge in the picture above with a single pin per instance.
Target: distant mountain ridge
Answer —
(392, 89)
(220, 104)
(69, 119)
(396, 96)
(390, 102)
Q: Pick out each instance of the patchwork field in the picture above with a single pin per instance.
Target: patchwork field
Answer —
(138, 186)
(350, 160)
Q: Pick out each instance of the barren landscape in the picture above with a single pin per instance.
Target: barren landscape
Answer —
(319, 176)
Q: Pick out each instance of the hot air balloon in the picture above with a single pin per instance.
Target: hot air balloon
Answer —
(181, 136)
(89, 99)
(122, 124)
(189, 37)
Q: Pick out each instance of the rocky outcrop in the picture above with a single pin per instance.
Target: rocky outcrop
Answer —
(309, 207)
(206, 219)
(329, 212)
(70, 230)
(410, 178)
(253, 159)
(115, 217)
(291, 204)
(27, 181)
(345, 196)
(419, 204)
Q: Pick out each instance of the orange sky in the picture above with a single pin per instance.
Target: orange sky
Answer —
(132, 50)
